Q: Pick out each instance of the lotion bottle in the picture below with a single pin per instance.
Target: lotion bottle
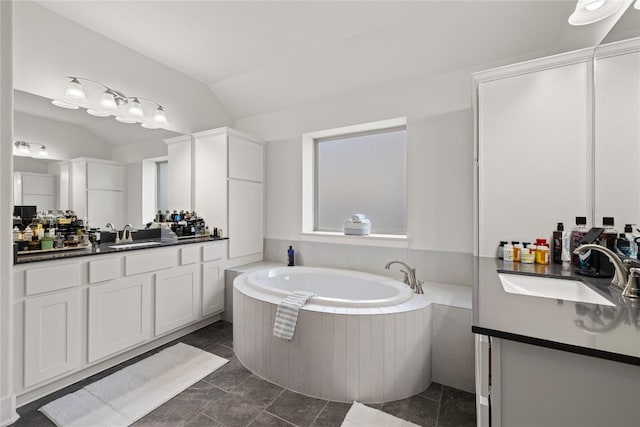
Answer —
(290, 257)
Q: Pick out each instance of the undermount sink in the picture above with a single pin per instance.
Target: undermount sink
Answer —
(134, 245)
(550, 287)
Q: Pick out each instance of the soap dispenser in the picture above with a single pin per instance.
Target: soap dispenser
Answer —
(290, 257)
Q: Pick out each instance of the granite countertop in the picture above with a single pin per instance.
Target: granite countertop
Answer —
(110, 248)
(609, 332)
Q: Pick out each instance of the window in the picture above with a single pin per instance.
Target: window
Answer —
(356, 170)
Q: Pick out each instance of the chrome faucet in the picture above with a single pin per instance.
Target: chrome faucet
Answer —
(113, 230)
(126, 234)
(409, 276)
(621, 276)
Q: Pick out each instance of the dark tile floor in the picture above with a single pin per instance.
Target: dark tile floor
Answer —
(233, 396)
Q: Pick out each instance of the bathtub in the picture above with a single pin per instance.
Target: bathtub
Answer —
(362, 337)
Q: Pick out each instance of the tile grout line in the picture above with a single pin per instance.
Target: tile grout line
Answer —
(318, 414)
(280, 418)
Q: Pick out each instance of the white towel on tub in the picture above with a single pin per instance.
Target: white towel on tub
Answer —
(287, 314)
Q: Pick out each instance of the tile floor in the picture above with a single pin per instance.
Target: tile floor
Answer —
(232, 396)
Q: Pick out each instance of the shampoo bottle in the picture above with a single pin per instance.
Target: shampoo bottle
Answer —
(556, 243)
(290, 256)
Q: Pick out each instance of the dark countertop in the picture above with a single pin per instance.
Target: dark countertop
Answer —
(106, 248)
(609, 332)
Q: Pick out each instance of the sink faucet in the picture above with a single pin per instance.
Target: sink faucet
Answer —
(126, 234)
(621, 276)
(113, 230)
(409, 276)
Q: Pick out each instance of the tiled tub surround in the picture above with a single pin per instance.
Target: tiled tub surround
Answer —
(346, 354)
(433, 266)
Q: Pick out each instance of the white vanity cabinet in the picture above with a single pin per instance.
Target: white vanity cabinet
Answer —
(96, 191)
(78, 316)
(51, 335)
(119, 315)
(177, 298)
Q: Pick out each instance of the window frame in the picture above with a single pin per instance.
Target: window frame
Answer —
(309, 183)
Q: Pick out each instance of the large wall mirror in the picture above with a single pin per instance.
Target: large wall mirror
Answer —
(40, 177)
(617, 123)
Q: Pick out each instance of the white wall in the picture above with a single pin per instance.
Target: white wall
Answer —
(29, 164)
(63, 140)
(439, 150)
(49, 47)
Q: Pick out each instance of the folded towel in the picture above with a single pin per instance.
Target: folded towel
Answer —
(287, 314)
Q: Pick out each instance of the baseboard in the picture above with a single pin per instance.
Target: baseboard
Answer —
(8, 414)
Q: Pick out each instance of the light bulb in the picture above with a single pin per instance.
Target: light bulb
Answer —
(122, 119)
(160, 117)
(43, 151)
(108, 101)
(135, 109)
(594, 5)
(63, 104)
(148, 126)
(75, 91)
(590, 11)
(637, 5)
(24, 147)
(97, 113)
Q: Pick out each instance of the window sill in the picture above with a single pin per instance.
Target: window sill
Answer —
(387, 240)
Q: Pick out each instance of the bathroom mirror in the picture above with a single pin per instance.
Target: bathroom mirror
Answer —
(617, 123)
(67, 134)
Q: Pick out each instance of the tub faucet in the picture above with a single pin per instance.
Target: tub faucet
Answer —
(621, 276)
(409, 276)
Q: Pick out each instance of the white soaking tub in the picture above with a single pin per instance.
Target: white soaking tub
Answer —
(363, 337)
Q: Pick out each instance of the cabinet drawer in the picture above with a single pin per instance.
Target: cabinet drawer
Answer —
(214, 251)
(189, 254)
(151, 261)
(47, 279)
(245, 159)
(104, 269)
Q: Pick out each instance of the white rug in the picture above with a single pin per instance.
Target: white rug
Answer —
(363, 416)
(132, 392)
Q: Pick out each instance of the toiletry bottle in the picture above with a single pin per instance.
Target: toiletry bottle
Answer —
(290, 256)
(517, 248)
(526, 257)
(609, 235)
(631, 237)
(542, 252)
(514, 243)
(501, 249)
(532, 249)
(576, 236)
(623, 246)
(556, 243)
(508, 252)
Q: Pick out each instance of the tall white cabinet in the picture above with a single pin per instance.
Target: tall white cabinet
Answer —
(533, 148)
(227, 187)
(96, 191)
(34, 189)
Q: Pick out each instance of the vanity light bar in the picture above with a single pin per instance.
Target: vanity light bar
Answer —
(126, 109)
(24, 147)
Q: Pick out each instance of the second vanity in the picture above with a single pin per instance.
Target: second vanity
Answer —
(569, 359)
(84, 311)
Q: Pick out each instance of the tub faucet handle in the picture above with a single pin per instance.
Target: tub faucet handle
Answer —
(405, 279)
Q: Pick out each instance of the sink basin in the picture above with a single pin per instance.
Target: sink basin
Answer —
(134, 245)
(550, 287)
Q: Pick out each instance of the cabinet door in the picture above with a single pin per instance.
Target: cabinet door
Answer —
(105, 206)
(102, 176)
(180, 173)
(533, 148)
(177, 298)
(245, 159)
(119, 315)
(212, 289)
(52, 336)
(245, 218)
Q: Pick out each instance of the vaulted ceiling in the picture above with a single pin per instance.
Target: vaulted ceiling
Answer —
(266, 56)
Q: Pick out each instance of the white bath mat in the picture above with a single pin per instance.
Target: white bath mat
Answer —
(363, 416)
(132, 392)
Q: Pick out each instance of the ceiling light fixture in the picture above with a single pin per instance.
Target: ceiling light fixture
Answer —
(24, 148)
(590, 11)
(125, 109)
